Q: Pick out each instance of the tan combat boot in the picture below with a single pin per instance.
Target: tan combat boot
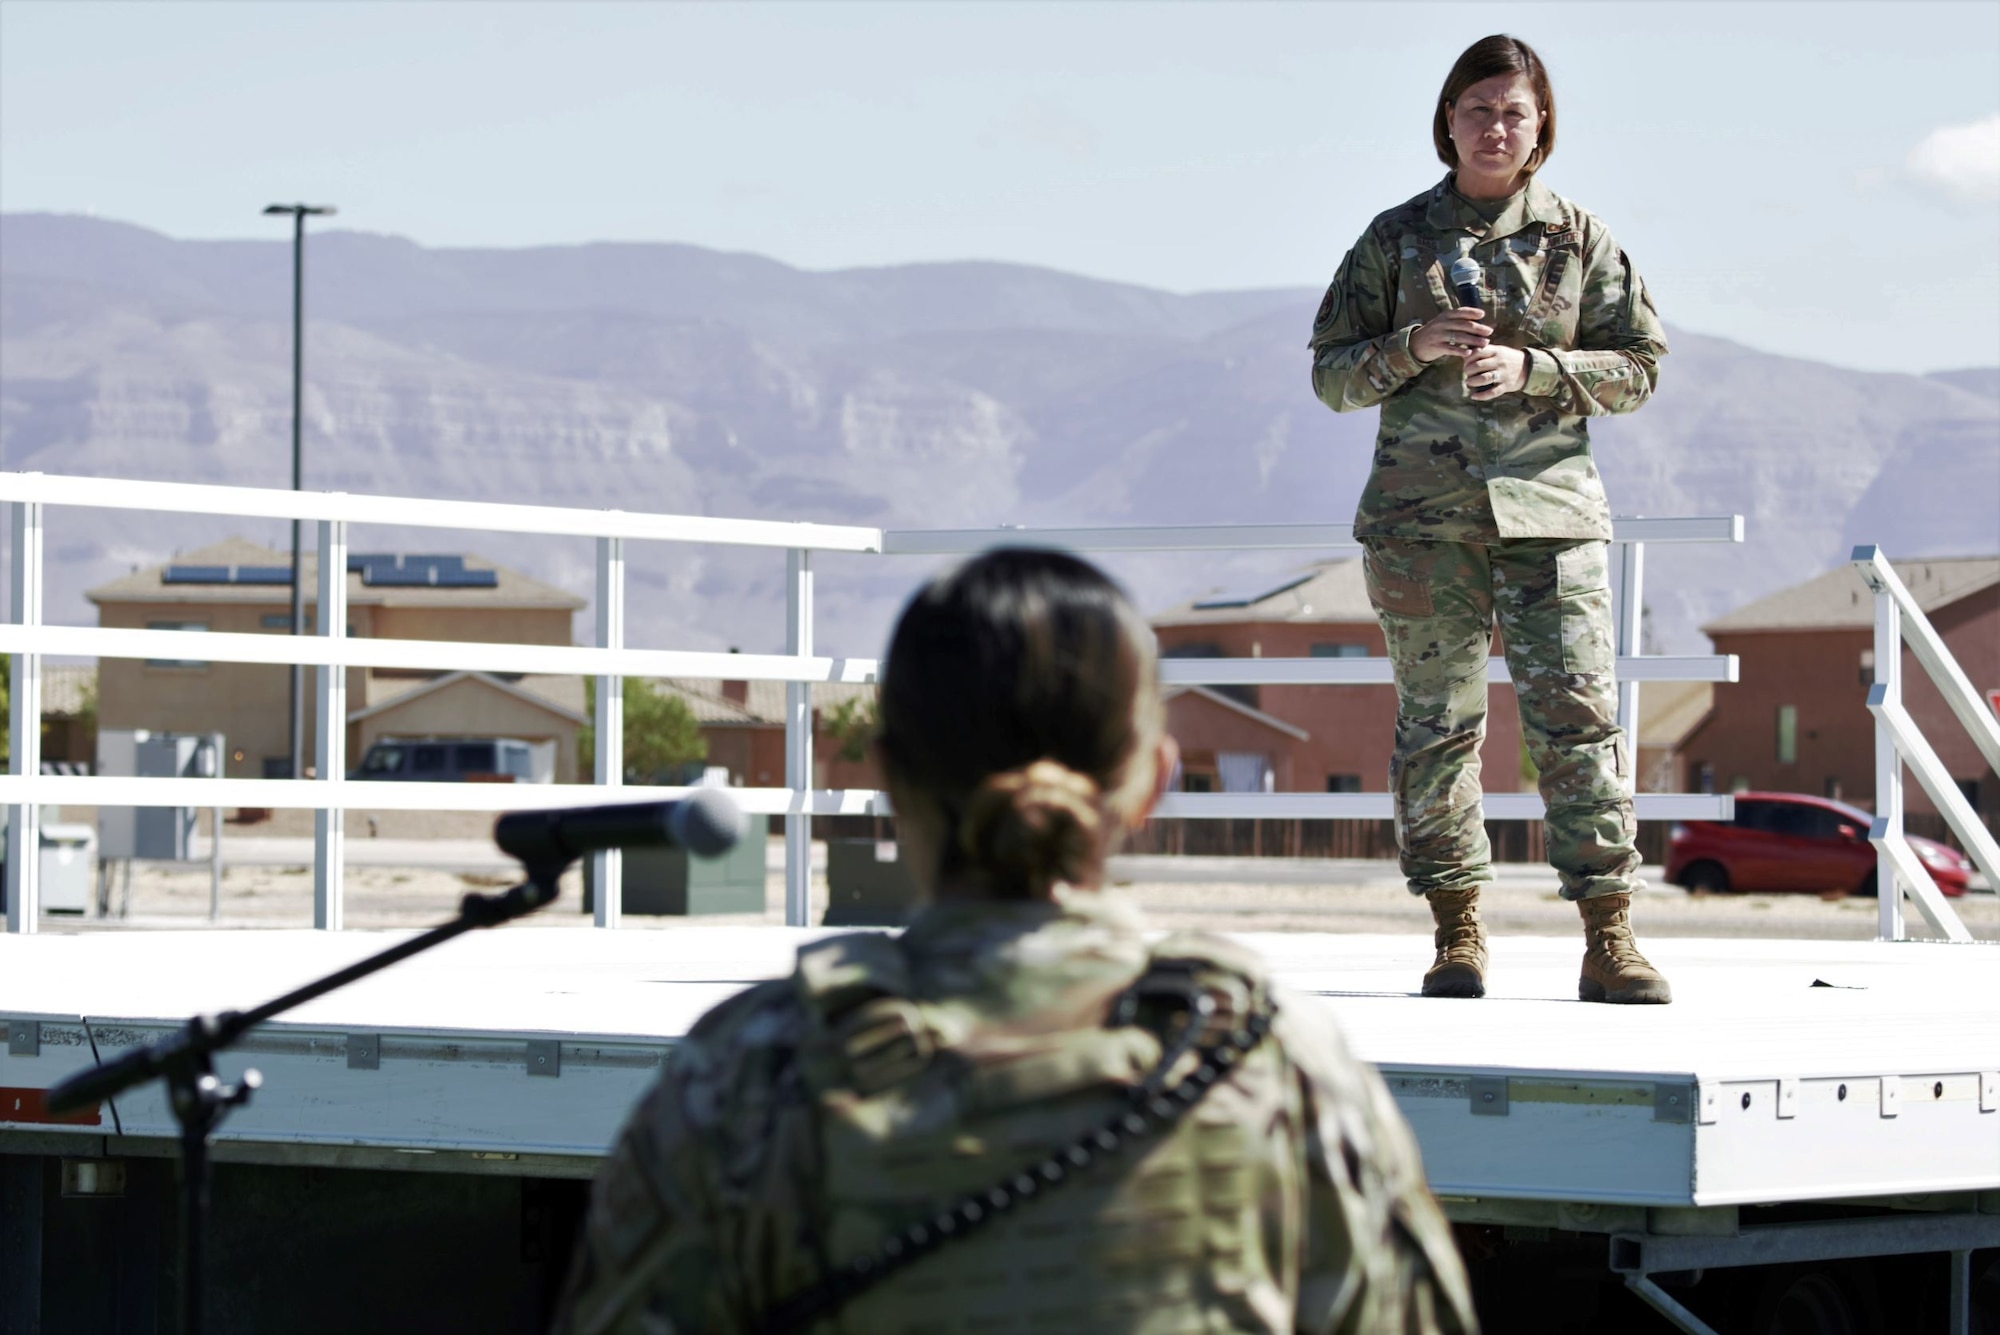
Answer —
(1460, 968)
(1613, 968)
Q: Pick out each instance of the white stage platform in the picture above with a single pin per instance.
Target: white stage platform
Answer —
(520, 1050)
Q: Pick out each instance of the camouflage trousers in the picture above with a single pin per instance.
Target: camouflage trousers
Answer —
(1551, 598)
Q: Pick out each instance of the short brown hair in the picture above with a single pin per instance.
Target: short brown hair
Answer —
(1488, 58)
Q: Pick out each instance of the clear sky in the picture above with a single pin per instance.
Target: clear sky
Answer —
(1818, 179)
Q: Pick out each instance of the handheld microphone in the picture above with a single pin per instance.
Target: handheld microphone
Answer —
(706, 825)
(1465, 276)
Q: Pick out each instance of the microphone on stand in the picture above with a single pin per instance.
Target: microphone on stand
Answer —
(706, 825)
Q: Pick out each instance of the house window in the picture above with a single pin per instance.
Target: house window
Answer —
(1339, 651)
(1343, 783)
(177, 662)
(1867, 667)
(1243, 771)
(1788, 734)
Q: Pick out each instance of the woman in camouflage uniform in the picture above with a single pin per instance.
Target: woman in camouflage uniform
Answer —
(1019, 1115)
(1484, 505)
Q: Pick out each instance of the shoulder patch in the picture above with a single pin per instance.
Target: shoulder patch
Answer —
(1329, 305)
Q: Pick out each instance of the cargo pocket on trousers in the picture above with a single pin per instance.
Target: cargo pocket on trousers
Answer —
(1393, 591)
(1583, 584)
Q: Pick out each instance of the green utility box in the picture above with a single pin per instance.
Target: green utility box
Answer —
(867, 884)
(667, 881)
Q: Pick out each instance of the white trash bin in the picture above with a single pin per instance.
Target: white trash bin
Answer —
(68, 856)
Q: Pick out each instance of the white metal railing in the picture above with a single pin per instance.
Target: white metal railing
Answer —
(1898, 741)
(1629, 536)
(28, 639)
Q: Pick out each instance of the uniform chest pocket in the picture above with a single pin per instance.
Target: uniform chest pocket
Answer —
(1421, 291)
(1552, 315)
(1514, 277)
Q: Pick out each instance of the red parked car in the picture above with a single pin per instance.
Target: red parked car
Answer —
(1789, 841)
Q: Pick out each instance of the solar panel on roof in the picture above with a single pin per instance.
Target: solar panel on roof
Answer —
(1246, 600)
(417, 570)
(363, 562)
(377, 570)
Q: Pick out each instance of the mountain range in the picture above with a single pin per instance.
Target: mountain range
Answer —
(677, 379)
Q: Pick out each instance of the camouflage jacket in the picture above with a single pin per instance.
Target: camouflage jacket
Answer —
(1447, 467)
(806, 1119)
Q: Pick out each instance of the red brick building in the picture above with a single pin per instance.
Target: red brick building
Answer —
(1229, 746)
(1797, 720)
(1312, 738)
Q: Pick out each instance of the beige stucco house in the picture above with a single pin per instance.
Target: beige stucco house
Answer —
(243, 587)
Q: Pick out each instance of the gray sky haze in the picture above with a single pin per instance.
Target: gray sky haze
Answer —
(1821, 180)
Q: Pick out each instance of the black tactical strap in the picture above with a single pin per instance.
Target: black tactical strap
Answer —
(1151, 1110)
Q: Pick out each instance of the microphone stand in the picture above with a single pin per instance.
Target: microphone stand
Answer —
(200, 1101)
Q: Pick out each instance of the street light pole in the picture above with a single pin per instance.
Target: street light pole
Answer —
(298, 214)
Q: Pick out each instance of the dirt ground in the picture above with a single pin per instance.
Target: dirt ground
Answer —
(1198, 894)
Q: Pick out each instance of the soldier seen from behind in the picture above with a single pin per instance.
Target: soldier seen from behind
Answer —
(1483, 504)
(1019, 1114)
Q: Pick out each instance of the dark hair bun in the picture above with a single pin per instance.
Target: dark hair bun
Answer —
(1035, 826)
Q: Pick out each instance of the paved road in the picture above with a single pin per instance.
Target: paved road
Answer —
(480, 855)
(410, 882)
(240, 850)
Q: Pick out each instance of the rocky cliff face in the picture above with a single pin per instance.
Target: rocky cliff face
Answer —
(675, 379)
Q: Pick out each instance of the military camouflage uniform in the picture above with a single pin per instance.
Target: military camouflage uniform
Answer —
(806, 1120)
(1483, 511)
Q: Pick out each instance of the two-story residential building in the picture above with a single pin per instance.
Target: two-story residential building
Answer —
(241, 586)
(1798, 721)
(1301, 738)
(1338, 738)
